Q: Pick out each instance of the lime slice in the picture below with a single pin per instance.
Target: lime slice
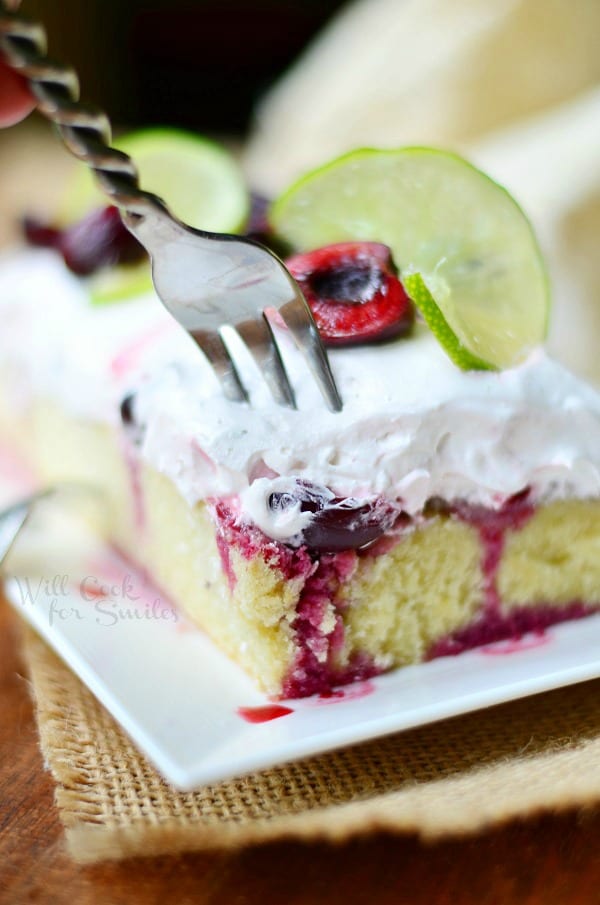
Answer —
(199, 180)
(116, 284)
(483, 287)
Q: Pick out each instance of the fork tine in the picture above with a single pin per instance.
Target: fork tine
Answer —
(258, 336)
(297, 317)
(218, 355)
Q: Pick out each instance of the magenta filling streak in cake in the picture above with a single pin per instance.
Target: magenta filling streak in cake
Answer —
(325, 573)
(492, 624)
(323, 576)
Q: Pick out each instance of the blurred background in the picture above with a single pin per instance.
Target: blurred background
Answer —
(512, 84)
(201, 64)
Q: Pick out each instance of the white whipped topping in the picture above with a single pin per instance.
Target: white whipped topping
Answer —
(413, 425)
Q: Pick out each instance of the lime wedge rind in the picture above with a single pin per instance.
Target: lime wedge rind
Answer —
(433, 316)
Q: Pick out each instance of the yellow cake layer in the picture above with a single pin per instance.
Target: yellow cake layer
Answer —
(554, 557)
(393, 606)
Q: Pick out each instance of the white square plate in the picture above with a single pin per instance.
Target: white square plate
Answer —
(179, 698)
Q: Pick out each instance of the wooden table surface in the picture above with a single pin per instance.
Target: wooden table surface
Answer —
(553, 860)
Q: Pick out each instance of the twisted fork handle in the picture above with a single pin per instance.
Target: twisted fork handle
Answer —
(85, 130)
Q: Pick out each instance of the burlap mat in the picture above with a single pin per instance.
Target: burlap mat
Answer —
(454, 777)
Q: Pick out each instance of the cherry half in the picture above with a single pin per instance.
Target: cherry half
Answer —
(354, 292)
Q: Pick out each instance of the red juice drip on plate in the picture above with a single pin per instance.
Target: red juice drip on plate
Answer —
(537, 638)
(263, 714)
(350, 693)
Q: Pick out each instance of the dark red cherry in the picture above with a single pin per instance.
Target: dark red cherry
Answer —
(338, 523)
(40, 234)
(98, 240)
(354, 292)
(258, 228)
(257, 225)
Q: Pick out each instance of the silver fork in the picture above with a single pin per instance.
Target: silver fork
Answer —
(207, 281)
(79, 499)
(12, 521)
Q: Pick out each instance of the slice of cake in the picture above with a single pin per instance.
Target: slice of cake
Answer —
(451, 503)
